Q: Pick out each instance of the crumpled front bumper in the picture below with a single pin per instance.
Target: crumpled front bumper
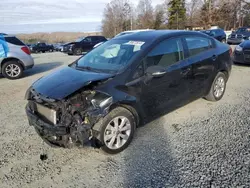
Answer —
(54, 135)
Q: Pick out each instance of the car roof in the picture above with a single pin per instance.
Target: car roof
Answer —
(215, 29)
(137, 30)
(156, 34)
(6, 35)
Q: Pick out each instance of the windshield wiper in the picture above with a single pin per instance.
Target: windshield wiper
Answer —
(88, 69)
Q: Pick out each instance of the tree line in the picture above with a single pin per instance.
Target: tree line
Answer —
(122, 15)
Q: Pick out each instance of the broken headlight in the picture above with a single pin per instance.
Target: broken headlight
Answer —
(101, 100)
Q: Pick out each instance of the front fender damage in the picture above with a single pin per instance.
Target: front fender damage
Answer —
(78, 115)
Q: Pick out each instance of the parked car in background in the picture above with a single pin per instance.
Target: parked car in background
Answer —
(239, 35)
(84, 44)
(218, 34)
(42, 47)
(125, 33)
(106, 94)
(14, 57)
(57, 46)
(65, 47)
(242, 53)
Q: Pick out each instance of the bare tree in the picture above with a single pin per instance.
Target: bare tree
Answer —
(145, 14)
(117, 17)
(193, 8)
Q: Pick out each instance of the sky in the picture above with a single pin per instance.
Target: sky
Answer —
(30, 16)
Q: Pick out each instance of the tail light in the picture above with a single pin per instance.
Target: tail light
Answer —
(231, 51)
(26, 50)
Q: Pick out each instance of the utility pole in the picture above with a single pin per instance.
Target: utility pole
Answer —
(177, 18)
(131, 18)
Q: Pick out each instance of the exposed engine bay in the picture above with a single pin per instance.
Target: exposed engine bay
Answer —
(67, 122)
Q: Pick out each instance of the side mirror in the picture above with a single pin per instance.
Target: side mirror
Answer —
(156, 71)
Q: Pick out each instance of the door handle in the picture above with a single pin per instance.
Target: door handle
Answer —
(214, 57)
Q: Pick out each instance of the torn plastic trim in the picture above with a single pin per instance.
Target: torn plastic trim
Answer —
(82, 119)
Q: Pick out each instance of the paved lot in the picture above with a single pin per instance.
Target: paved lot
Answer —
(203, 144)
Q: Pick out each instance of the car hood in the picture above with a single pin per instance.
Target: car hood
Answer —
(246, 44)
(66, 81)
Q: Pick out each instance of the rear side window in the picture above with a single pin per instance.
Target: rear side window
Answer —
(166, 53)
(197, 45)
(102, 38)
(14, 40)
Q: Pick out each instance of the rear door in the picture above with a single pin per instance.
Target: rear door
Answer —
(202, 57)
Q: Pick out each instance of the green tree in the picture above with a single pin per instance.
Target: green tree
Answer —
(159, 16)
(176, 14)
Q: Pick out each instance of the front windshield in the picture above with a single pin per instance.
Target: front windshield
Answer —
(112, 56)
(79, 39)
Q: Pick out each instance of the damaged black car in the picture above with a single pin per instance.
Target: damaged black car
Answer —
(105, 95)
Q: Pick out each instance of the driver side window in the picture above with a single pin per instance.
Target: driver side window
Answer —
(87, 39)
(166, 53)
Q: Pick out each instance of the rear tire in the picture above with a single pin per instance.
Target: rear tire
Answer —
(117, 130)
(12, 70)
(218, 88)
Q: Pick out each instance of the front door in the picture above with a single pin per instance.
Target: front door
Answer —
(87, 44)
(170, 91)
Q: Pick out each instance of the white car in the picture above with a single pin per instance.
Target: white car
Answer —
(125, 33)
(14, 57)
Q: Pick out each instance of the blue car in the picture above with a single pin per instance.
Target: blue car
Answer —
(218, 34)
(242, 53)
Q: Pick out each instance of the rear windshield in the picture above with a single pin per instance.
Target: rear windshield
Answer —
(14, 40)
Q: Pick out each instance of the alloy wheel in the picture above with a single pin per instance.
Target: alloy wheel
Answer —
(219, 87)
(117, 132)
(13, 70)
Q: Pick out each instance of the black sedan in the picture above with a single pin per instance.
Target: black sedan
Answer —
(242, 53)
(127, 81)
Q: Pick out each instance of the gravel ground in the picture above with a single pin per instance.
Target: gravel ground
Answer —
(202, 144)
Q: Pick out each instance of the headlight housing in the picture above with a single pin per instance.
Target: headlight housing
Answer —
(27, 94)
(238, 48)
(101, 100)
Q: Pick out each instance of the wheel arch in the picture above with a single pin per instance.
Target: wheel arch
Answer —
(130, 108)
(10, 59)
(226, 73)
(97, 126)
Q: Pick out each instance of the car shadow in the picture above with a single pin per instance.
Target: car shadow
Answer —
(40, 68)
(149, 162)
(241, 64)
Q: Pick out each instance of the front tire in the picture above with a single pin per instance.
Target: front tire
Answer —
(218, 88)
(12, 70)
(117, 130)
(77, 51)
